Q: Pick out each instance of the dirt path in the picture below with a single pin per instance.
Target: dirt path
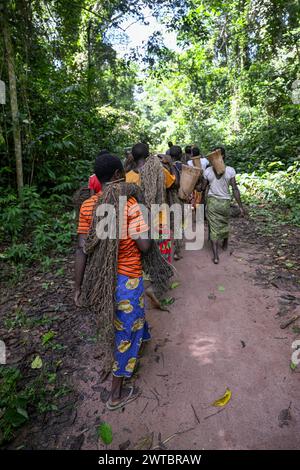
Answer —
(222, 331)
(213, 338)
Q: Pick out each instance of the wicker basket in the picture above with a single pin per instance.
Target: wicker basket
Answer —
(216, 160)
(188, 179)
(196, 162)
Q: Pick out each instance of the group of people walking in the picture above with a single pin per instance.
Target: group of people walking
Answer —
(113, 272)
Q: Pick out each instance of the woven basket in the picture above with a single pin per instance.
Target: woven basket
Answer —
(216, 160)
(196, 162)
(188, 179)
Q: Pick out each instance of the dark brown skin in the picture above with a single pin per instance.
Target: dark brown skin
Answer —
(81, 257)
(237, 196)
(168, 164)
(80, 263)
(117, 391)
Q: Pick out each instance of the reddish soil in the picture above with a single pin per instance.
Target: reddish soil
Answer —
(222, 331)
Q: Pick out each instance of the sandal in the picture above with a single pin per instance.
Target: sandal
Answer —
(133, 395)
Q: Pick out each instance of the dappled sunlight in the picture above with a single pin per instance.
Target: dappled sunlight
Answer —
(204, 348)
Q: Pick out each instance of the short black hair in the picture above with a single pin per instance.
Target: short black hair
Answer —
(139, 151)
(106, 165)
(176, 151)
(196, 152)
(223, 152)
(188, 149)
(103, 152)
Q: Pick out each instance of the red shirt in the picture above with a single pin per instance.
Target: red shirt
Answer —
(94, 184)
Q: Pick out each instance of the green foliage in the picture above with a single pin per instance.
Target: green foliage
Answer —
(104, 432)
(18, 402)
(281, 189)
(13, 405)
(233, 81)
(34, 226)
(48, 337)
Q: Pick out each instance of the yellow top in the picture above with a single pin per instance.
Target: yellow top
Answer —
(133, 177)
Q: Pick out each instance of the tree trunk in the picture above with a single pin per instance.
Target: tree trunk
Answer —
(13, 102)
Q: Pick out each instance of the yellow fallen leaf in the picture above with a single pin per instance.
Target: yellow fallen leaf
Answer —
(224, 399)
(144, 443)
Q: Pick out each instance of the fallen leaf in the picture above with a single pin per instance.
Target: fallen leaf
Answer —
(289, 265)
(285, 416)
(124, 445)
(168, 301)
(174, 285)
(144, 443)
(36, 363)
(293, 366)
(104, 432)
(221, 288)
(224, 399)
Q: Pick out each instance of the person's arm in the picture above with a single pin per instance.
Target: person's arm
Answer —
(143, 244)
(175, 172)
(200, 183)
(138, 227)
(204, 185)
(237, 195)
(80, 263)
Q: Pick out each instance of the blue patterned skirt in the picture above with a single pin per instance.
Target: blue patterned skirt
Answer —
(131, 328)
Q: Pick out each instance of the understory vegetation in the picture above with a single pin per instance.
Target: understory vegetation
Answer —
(233, 79)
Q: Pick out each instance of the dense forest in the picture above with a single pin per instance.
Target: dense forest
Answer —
(234, 79)
(65, 93)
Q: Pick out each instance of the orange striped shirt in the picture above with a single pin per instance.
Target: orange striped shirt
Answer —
(129, 257)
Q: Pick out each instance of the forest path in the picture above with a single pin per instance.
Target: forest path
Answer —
(220, 332)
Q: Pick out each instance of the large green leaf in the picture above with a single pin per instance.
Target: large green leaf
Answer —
(104, 432)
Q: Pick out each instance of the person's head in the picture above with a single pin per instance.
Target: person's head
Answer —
(103, 152)
(188, 150)
(196, 152)
(170, 144)
(223, 153)
(176, 152)
(140, 151)
(108, 168)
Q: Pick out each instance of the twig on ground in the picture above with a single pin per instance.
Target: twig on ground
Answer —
(214, 414)
(196, 416)
(145, 407)
(172, 437)
(287, 323)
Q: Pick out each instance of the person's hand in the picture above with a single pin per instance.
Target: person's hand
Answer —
(77, 297)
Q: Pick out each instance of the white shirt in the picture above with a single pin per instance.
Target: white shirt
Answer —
(204, 163)
(219, 188)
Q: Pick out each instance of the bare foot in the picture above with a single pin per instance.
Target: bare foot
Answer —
(104, 375)
(156, 303)
(127, 395)
(225, 244)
